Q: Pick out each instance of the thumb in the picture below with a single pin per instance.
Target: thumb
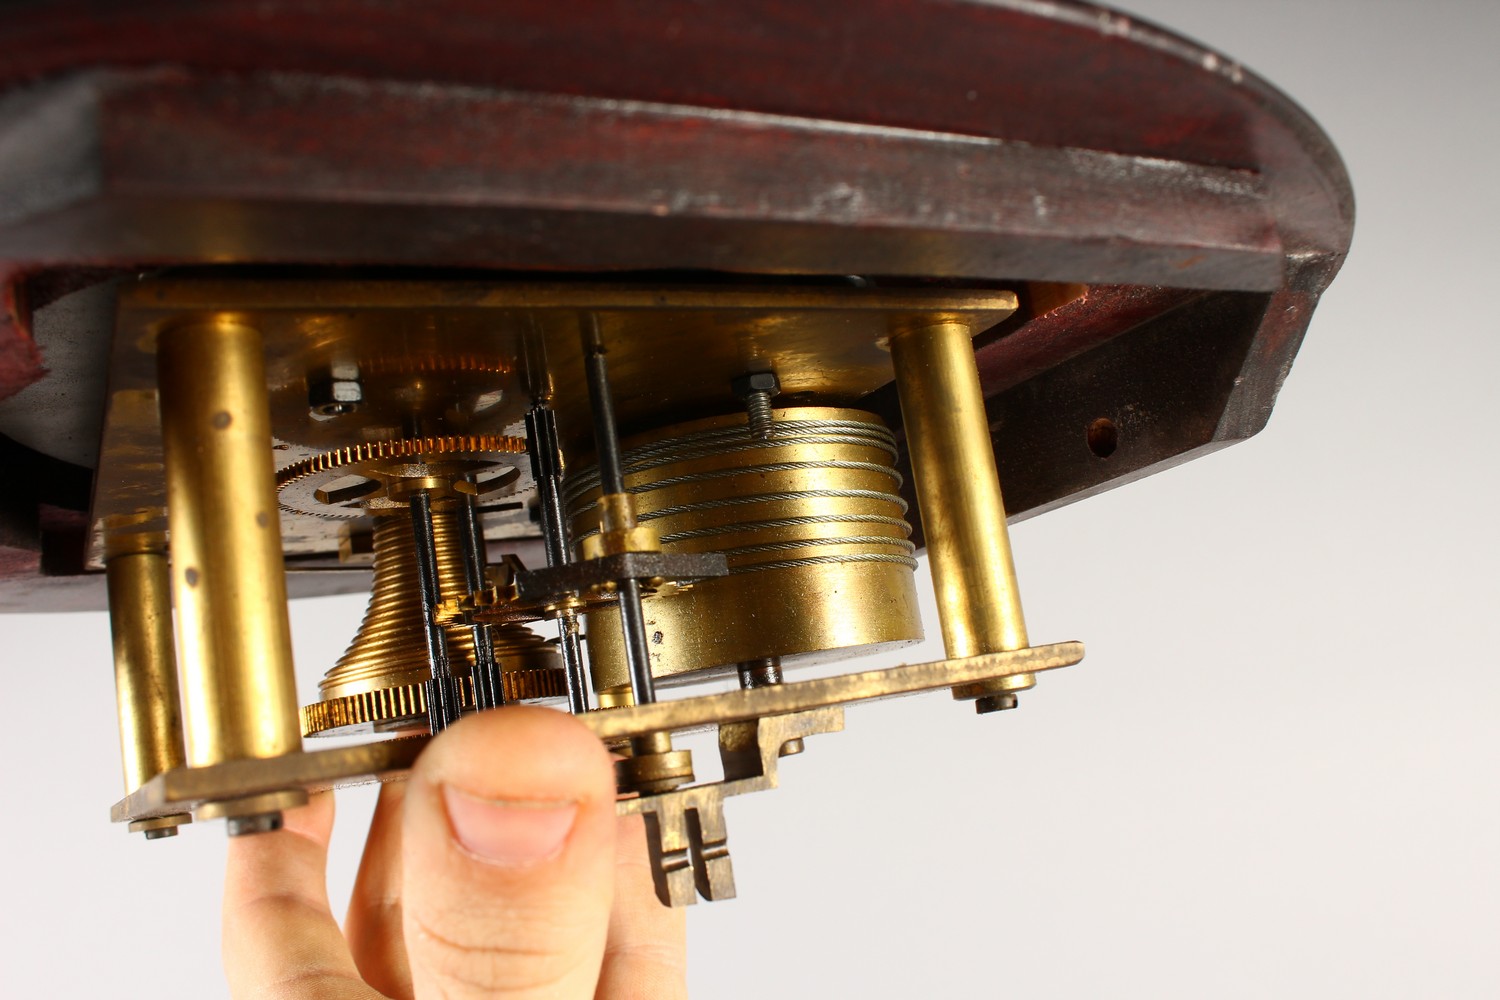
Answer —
(508, 858)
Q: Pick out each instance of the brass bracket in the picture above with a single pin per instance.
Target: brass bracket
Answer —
(553, 583)
(685, 830)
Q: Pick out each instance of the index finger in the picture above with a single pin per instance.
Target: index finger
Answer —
(280, 938)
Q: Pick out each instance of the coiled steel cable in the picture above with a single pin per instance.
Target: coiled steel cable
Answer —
(729, 441)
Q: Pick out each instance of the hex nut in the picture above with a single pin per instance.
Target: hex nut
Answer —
(333, 397)
(1002, 702)
(755, 382)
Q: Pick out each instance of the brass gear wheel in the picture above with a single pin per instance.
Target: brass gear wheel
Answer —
(378, 684)
(404, 707)
(359, 479)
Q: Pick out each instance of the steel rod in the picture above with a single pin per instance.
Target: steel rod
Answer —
(546, 469)
(637, 655)
(612, 480)
(606, 438)
(489, 690)
(572, 654)
(442, 705)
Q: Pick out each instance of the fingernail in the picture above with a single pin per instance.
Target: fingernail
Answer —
(509, 833)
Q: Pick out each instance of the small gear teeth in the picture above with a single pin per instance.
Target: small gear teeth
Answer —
(350, 457)
(409, 701)
(384, 451)
(426, 365)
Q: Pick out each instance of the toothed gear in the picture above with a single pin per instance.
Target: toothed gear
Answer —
(405, 705)
(491, 459)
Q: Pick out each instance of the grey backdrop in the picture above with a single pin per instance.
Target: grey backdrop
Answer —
(1274, 775)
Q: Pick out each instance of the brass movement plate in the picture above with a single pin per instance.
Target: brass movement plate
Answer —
(821, 692)
(468, 357)
(180, 790)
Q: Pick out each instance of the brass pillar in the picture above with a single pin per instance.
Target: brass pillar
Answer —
(958, 492)
(228, 579)
(140, 620)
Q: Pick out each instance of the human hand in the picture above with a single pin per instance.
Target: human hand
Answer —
(498, 869)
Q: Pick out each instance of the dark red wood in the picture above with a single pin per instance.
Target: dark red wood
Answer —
(20, 361)
(910, 140)
(1048, 339)
(1063, 74)
(991, 69)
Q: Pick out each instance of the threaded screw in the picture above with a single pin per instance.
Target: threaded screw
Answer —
(757, 389)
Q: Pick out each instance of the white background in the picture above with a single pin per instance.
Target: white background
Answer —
(1274, 775)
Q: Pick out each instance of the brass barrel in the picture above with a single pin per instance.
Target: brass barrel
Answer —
(958, 493)
(228, 579)
(812, 523)
(140, 621)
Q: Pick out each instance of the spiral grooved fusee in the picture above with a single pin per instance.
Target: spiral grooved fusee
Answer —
(389, 644)
(376, 683)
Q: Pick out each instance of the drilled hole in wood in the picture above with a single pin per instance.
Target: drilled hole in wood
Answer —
(1103, 437)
